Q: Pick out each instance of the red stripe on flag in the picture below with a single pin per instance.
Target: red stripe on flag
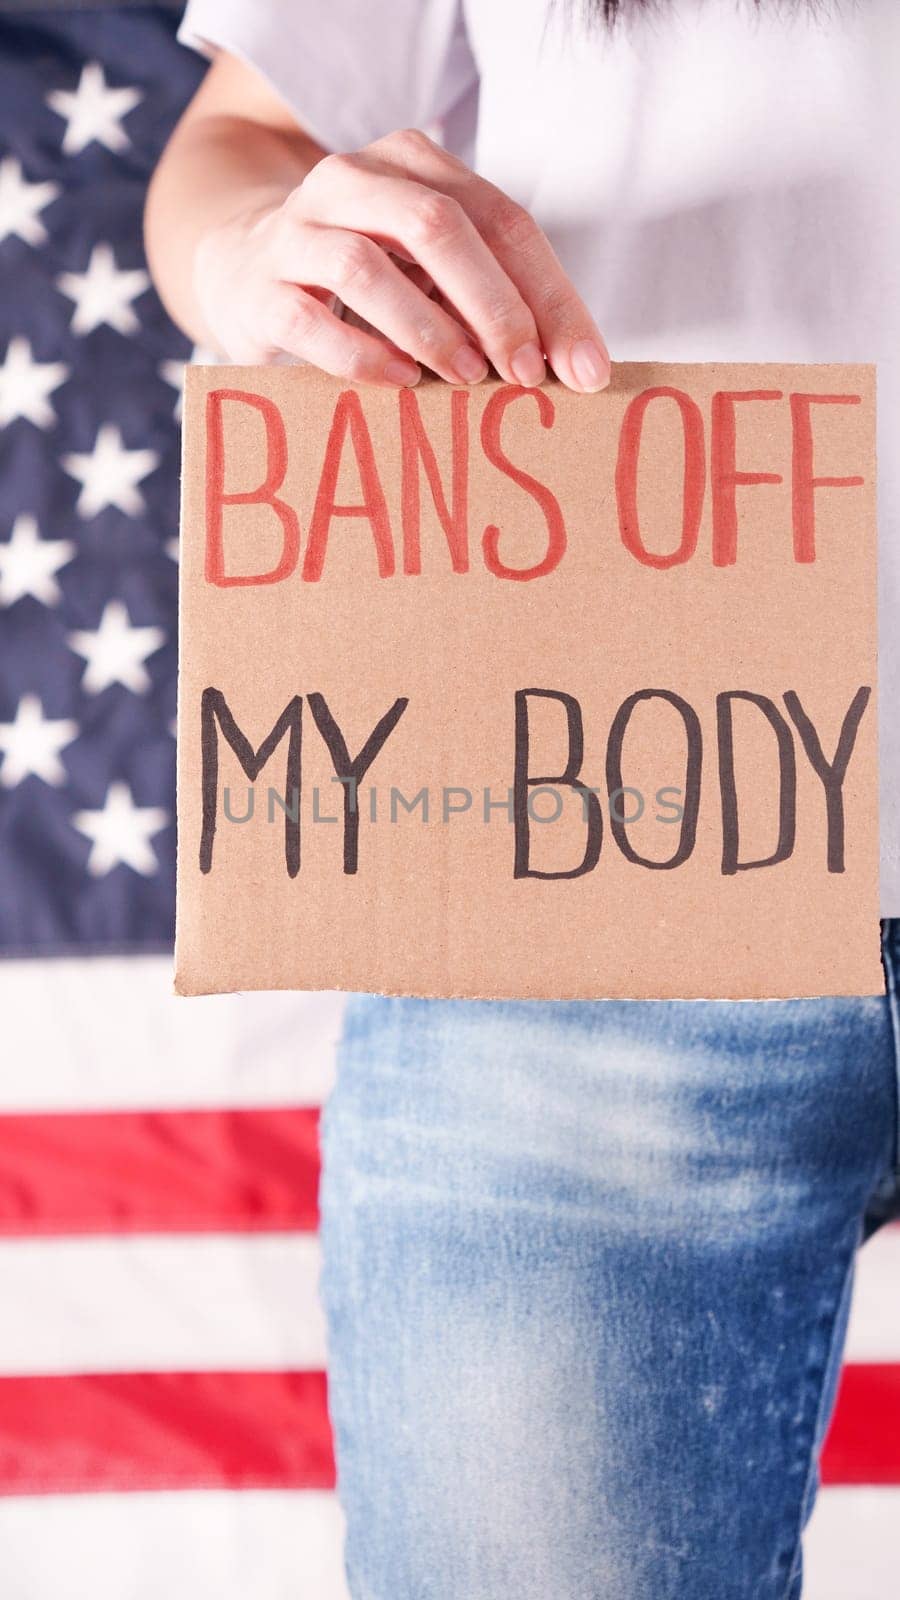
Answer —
(172, 1430)
(863, 1444)
(270, 1430)
(159, 1171)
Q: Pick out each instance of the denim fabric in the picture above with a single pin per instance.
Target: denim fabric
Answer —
(587, 1269)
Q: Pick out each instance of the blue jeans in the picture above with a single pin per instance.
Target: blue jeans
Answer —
(587, 1271)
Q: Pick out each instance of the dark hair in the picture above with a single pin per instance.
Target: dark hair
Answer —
(609, 10)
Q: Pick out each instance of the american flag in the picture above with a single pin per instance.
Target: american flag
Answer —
(163, 1422)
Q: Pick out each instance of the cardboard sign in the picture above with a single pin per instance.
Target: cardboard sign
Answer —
(521, 693)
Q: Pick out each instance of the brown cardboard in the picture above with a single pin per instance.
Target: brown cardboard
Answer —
(698, 531)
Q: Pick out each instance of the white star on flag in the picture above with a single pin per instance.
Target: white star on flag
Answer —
(93, 111)
(109, 474)
(26, 384)
(21, 202)
(115, 652)
(121, 832)
(32, 744)
(28, 563)
(103, 293)
(172, 371)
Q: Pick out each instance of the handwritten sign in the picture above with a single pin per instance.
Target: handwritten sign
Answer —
(520, 693)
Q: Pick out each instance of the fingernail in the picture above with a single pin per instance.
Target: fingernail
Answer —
(469, 365)
(403, 373)
(590, 365)
(528, 366)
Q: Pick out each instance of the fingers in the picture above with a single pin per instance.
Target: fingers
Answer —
(469, 271)
(300, 324)
(366, 280)
(567, 332)
(571, 340)
(435, 230)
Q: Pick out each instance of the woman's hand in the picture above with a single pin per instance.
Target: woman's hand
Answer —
(444, 270)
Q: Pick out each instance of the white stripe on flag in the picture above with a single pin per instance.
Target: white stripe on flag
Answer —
(852, 1549)
(286, 1546)
(108, 1034)
(185, 1546)
(154, 1302)
(874, 1333)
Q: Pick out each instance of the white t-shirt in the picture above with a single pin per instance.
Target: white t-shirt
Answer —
(720, 180)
